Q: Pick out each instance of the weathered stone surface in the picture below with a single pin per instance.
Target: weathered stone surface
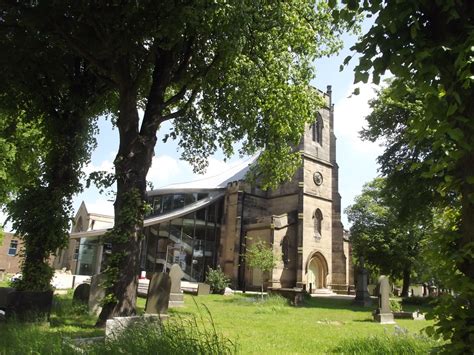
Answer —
(158, 294)
(362, 297)
(176, 295)
(82, 293)
(203, 289)
(116, 326)
(176, 274)
(383, 314)
(97, 293)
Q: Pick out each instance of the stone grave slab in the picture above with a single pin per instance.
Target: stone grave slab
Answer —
(81, 293)
(176, 295)
(116, 326)
(96, 294)
(203, 289)
(158, 294)
(383, 313)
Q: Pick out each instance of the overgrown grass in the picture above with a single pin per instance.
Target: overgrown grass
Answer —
(271, 326)
(275, 327)
(386, 344)
(195, 335)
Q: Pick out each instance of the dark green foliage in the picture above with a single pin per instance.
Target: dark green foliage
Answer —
(418, 301)
(429, 44)
(389, 244)
(217, 280)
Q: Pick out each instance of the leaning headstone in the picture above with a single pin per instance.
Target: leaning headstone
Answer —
(384, 314)
(176, 295)
(81, 293)
(203, 289)
(96, 294)
(158, 294)
(362, 297)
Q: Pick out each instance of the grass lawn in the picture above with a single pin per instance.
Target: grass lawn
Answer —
(317, 327)
(271, 327)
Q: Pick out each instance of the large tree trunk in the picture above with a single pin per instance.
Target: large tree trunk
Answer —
(131, 167)
(406, 282)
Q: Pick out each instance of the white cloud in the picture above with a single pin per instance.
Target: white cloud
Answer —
(163, 169)
(105, 165)
(350, 113)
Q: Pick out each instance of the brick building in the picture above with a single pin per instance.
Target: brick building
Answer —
(9, 253)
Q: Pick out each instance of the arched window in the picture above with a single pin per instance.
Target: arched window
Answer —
(318, 222)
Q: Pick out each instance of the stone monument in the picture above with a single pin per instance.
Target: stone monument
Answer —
(96, 294)
(158, 294)
(82, 293)
(383, 314)
(203, 289)
(176, 295)
(362, 297)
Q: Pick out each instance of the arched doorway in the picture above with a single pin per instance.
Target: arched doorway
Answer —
(317, 272)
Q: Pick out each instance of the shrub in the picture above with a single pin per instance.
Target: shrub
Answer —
(418, 301)
(217, 280)
(386, 344)
(395, 305)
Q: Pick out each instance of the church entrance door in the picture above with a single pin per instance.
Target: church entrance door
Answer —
(317, 273)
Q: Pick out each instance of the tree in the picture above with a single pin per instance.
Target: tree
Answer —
(259, 255)
(387, 244)
(222, 71)
(48, 97)
(430, 44)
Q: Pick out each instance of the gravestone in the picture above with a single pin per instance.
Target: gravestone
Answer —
(203, 289)
(96, 294)
(176, 295)
(383, 313)
(118, 325)
(81, 293)
(362, 297)
(158, 294)
(2, 274)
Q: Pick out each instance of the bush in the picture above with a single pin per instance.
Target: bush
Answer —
(418, 301)
(395, 305)
(217, 280)
(386, 344)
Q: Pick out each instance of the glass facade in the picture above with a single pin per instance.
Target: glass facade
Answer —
(87, 259)
(190, 241)
(161, 204)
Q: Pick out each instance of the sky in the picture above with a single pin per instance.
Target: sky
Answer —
(356, 159)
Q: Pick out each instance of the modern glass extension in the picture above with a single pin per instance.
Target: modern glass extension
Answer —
(190, 240)
(182, 228)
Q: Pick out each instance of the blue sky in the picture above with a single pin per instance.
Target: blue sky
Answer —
(356, 159)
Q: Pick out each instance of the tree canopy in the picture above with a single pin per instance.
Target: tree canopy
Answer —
(388, 244)
(429, 44)
(221, 71)
(48, 101)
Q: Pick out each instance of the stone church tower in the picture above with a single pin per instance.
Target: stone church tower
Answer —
(301, 219)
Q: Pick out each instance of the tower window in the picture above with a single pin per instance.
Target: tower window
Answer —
(318, 129)
(318, 222)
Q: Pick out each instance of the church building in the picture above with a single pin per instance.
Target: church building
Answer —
(211, 222)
